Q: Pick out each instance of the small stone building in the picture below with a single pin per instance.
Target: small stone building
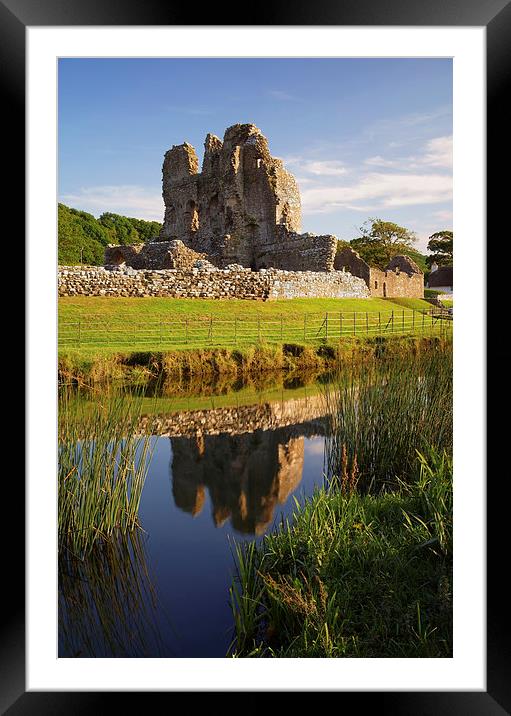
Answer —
(401, 277)
(242, 208)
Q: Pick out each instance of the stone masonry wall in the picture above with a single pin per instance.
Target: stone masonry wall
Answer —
(402, 278)
(154, 255)
(243, 207)
(396, 285)
(235, 282)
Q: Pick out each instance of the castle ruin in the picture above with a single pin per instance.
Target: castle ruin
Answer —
(243, 212)
(401, 277)
(242, 208)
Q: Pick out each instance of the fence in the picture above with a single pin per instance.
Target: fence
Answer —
(174, 329)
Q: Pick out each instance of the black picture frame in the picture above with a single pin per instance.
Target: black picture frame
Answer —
(495, 15)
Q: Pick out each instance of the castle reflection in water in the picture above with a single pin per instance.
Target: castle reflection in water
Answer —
(248, 458)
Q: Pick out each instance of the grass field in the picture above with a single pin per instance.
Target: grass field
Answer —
(71, 308)
(108, 324)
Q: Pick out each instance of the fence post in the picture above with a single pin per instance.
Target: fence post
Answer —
(367, 323)
(326, 326)
(259, 328)
(160, 333)
(211, 328)
(340, 324)
(79, 333)
(235, 330)
(354, 322)
(186, 332)
(304, 326)
(392, 320)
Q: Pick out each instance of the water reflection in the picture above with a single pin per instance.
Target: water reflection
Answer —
(231, 467)
(107, 602)
(246, 475)
(249, 458)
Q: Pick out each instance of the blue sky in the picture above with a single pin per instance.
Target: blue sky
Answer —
(363, 137)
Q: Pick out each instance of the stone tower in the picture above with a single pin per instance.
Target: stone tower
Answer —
(239, 207)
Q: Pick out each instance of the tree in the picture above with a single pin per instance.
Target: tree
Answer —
(440, 245)
(381, 240)
(82, 237)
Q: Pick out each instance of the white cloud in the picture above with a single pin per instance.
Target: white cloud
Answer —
(383, 190)
(316, 167)
(436, 153)
(439, 152)
(129, 200)
(379, 161)
(324, 168)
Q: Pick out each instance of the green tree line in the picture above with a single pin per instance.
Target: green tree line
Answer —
(82, 238)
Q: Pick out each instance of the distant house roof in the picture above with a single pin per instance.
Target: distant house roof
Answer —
(441, 277)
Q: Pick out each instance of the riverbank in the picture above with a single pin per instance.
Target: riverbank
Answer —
(353, 575)
(81, 366)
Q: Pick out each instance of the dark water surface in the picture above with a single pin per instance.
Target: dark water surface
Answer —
(217, 475)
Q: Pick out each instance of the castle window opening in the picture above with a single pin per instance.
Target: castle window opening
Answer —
(192, 216)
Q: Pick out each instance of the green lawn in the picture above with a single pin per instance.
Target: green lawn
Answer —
(71, 308)
(107, 324)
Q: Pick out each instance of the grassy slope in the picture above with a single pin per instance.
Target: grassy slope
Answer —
(109, 325)
(353, 576)
(71, 308)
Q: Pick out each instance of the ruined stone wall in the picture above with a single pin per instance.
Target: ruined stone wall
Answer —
(242, 190)
(352, 261)
(154, 255)
(314, 284)
(401, 278)
(237, 282)
(389, 284)
(244, 207)
(299, 252)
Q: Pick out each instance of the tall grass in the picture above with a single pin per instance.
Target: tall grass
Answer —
(353, 575)
(382, 409)
(102, 467)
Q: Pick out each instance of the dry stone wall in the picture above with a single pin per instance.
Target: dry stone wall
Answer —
(233, 282)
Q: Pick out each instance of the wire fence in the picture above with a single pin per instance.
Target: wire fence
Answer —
(175, 329)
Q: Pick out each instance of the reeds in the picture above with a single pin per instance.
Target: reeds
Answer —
(102, 467)
(381, 410)
(107, 602)
(353, 575)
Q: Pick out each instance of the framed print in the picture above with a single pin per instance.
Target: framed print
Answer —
(79, 67)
